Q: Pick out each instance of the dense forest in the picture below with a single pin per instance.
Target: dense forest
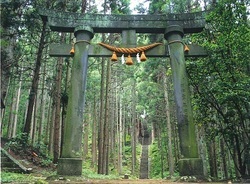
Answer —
(120, 99)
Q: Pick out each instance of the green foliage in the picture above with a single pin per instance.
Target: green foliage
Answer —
(88, 173)
(221, 81)
(119, 6)
(7, 177)
(18, 143)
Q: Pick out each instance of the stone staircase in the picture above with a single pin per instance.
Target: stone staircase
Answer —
(145, 140)
(144, 163)
(10, 164)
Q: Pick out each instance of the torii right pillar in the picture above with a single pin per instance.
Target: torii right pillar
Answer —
(189, 164)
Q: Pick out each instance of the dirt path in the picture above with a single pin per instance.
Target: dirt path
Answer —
(127, 181)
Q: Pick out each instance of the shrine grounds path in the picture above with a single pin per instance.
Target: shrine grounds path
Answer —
(128, 181)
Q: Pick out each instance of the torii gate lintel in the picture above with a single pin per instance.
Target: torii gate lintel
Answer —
(100, 23)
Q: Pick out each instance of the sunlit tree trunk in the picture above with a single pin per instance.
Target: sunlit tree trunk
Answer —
(101, 122)
(18, 94)
(107, 121)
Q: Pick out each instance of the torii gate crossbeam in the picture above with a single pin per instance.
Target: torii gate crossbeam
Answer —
(173, 26)
(100, 23)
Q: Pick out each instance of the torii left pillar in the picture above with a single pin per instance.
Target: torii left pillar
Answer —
(70, 162)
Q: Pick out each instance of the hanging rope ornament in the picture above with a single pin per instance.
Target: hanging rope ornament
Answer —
(138, 58)
(123, 60)
(114, 57)
(186, 49)
(143, 56)
(129, 60)
(129, 51)
(72, 51)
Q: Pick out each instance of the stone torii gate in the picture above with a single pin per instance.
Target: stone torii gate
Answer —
(173, 26)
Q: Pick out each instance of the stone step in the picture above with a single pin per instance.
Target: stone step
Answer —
(7, 164)
(12, 169)
(10, 164)
(4, 159)
(144, 162)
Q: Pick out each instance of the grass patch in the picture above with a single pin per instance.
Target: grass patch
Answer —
(87, 173)
(7, 177)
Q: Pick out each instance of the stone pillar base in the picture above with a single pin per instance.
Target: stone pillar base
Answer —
(69, 167)
(191, 167)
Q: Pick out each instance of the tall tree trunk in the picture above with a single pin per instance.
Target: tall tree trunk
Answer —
(120, 136)
(169, 127)
(34, 122)
(51, 130)
(94, 135)
(107, 121)
(34, 86)
(133, 128)
(202, 148)
(224, 160)
(42, 107)
(213, 159)
(11, 114)
(101, 122)
(86, 136)
(57, 123)
(17, 103)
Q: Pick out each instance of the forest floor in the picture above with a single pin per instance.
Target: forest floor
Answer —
(47, 174)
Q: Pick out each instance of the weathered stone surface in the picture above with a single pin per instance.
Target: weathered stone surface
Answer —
(69, 167)
(67, 21)
(71, 162)
(62, 50)
(191, 167)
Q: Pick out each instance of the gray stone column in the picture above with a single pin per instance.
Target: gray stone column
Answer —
(70, 162)
(190, 164)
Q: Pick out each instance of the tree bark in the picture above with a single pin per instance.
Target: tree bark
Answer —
(107, 121)
(101, 122)
(169, 127)
(212, 159)
(94, 135)
(42, 108)
(34, 86)
(133, 128)
(57, 123)
(86, 136)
